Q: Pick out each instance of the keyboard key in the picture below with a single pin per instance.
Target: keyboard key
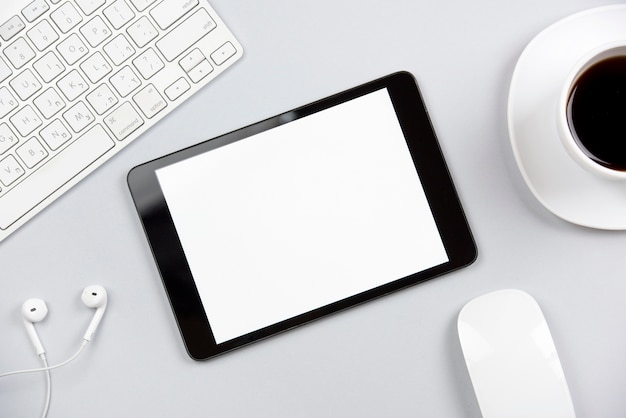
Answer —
(95, 31)
(125, 81)
(102, 99)
(149, 101)
(177, 88)
(60, 169)
(31, 152)
(7, 102)
(25, 84)
(169, 11)
(55, 134)
(223, 53)
(78, 117)
(200, 71)
(11, 27)
(19, 53)
(119, 14)
(72, 49)
(96, 67)
(191, 59)
(7, 138)
(42, 35)
(66, 17)
(73, 85)
(142, 32)
(49, 103)
(35, 9)
(148, 63)
(123, 121)
(119, 49)
(10, 170)
(5, 70)
(89, 6)
(186, 34)
(49, 67)
(141, 5)
(25, 120)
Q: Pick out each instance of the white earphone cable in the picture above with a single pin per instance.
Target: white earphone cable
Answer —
(48, 368)
(46, 407)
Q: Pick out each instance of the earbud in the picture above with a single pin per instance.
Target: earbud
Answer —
(34, 310)
(94, 296)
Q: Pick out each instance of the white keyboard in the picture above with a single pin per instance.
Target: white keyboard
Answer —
(81, 79)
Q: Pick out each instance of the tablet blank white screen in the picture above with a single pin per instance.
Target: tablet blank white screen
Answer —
(301, 216)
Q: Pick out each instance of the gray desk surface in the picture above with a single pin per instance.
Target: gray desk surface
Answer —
(398, 356)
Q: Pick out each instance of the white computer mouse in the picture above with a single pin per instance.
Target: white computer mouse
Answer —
(511, 358)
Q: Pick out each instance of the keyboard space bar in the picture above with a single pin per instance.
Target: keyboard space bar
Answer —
(54, 174)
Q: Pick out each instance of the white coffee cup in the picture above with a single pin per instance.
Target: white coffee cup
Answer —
(567, 132)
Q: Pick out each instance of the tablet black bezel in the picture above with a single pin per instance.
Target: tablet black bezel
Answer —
(430, 165)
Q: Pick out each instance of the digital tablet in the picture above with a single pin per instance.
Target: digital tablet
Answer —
(301, 215)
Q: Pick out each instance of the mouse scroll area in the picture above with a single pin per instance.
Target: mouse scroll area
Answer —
(511, 358)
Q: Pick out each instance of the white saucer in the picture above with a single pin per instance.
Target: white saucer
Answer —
(557, 181)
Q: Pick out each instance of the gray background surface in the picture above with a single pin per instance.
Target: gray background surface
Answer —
(397, 356)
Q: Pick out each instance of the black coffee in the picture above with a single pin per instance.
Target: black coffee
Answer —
(596, 112)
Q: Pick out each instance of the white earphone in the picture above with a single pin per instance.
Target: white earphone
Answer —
(35, 310)
(94, 296)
